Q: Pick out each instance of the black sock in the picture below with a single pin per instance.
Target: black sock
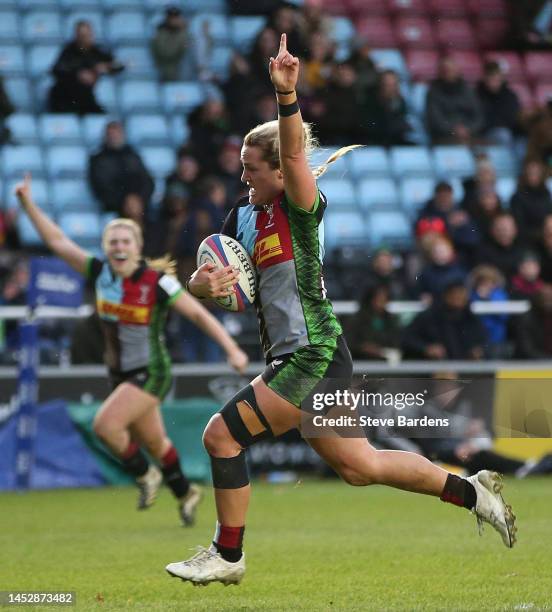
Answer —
(134, 461)
(172, 472)
(460, 492)
(232, 555)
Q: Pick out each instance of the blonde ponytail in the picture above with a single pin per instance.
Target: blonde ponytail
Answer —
(319, 171)
(164, 264)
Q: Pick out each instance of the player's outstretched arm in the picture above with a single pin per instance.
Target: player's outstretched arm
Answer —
(187, 306)
(299, 183)
(51, 233)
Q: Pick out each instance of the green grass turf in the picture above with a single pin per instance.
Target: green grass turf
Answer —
(310, 546)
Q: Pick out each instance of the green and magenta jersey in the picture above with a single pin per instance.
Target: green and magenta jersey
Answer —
(133, 313)
(285, 243)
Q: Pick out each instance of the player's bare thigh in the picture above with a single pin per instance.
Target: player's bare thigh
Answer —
(149, 431)
(123, 406)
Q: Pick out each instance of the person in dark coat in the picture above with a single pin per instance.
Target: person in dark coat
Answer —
(502, 249)
(533, 331)
(79, 66)
(117, 170)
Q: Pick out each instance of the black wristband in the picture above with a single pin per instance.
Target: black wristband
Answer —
(286, 110)
(285, 93)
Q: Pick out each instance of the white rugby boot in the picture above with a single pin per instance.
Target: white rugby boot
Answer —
(490, 507)
(208, 566)
(188, 504)
(148, 487)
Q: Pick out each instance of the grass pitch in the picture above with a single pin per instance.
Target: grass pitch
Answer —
(310, 546)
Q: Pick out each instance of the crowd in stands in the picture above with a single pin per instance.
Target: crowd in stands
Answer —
(465, 247)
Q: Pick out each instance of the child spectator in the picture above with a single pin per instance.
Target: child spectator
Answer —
(527, 281)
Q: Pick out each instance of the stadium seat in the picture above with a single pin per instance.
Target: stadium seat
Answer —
(408, 8)
(27, 233)
(505, 187)
(205, 6)
(378, 192)
(60, 128)
(415, 192)
(16, 160)
(41, 59)
(455, 34)
(367, 7)
(415, 32)
(147, 129)
(389, 228)
(72, 195)
(422, 64)
(338, 7)
(93, 128)
(411, 161)
(179, 130)
(469, 63)
(448, 8)
(137, 60)
(453, 161)
(42, 27)
(417, 98)
(106, 94)
(66, 161)
(390, 59)
(160, 161)
(342, 29)
(491, 33)
(9, 27)
(543, 93)
(40, 193)
(80, 5)
(377, 31)
(343, 228)
(82, 227)
(219, 31)
(538, 66)
(340, 193)
(127, 27)
(524, 93)
(244, 30)
(489, 8)
(139, 96)
(12, 60)
(23, 128)
(94, 17)
(503, 160)
(220, 61)
(123, 5)
(369, 162)
(510, 62)
(20, 93)
(182, 97)
(42, 86)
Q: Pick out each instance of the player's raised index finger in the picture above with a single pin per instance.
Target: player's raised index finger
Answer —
(283, 44)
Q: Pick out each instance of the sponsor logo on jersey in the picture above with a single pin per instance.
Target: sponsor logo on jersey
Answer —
(144, 294)
(126, 313)
(266, 248)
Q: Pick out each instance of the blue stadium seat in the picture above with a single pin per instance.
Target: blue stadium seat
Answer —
(369, 161)
(60, 128)
(9, 27)
(390, 227)
(342, 29)
(205, 6)
(451, 161)
(180, 132)
(105, 218)
(38, 5)
(66, 161)
(137, 60)
(41, 59)
(79, 5)
(221, 59)
(217, 24)
(148, 129)
(94, 17)
(244, 30)
(160, 161)
(72, 195)
(93, 127)
(411, 161)
(378, 192)
(40, 193)
(340, 193)
(506, 187)
(16, 160)
(127, 26)
(338, 169)
(106, 94)
(12, 60)
(23, 128)
(182, 97)
(390, 59)
(415, 192)
(42, 27)
(417, 98)
(20, 93)
(42, 86)
(139, 96)
(117, 5)
(82, 227)
(343, 228)
(503, 160)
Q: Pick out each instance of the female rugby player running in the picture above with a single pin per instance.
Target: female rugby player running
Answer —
(132, 299)
(279, 226)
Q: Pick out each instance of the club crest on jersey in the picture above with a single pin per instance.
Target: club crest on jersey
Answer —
(144, 294)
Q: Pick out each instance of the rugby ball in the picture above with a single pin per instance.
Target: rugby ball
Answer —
(224, 251)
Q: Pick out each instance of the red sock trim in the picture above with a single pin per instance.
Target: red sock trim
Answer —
(169, 458)
(449, 497)
(229, 537)
(131, 450)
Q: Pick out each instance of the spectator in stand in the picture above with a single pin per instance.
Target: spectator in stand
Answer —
(384, 273)
(500, 106)
(446, 330)
(539, 144)
(501, 249)
(532, 202)
(545, 250)
(79, 66)
(312, 18)
(6, 109)
(209, 127)
(487, 285)
(319, 59)
(527, 282)
(374, 333)
(134, 208)
(453, 113)
(483, 208)
(365, 68)
(442, 269)
(213, 200)
(171, 47)
(485, 178)
(182, 180)
(267, 40)
(229, 168)
(286, 19)
(238, 88)
(9, 238)
(534, 328)
(384, 115)
(265, 109)
(117, 170)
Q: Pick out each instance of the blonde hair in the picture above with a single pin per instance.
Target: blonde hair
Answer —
(164, 264)
(266, 137)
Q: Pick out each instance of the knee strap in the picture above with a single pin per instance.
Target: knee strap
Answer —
(244, 419)
(229, 473)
